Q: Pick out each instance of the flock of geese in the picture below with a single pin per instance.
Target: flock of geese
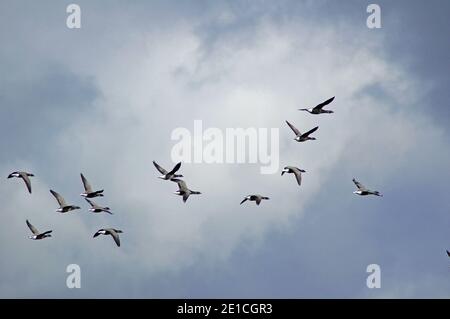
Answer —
(183, 189)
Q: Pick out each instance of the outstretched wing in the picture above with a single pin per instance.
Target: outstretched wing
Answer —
(27, 181)
(321, 105)
(59, 198)
(311, 131)
(181, 184)
(244, 200)
(176, 168)
(87, 186)
(298, 175)
(258, 200)
(32, 228)
(360, 186)
(159, 168)
(90, 202)
(293, 128)
(115, 236)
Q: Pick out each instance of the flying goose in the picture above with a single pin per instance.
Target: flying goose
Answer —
(110, 231)
(168, 175)
(256, 198)
(299, 137)
(318, 108)
(183, 190)
(36, 234)
(63, 207)
(25, 176)
(363, 191)
(98, 209)
(88, 193)
(296, 171)
(448, 253)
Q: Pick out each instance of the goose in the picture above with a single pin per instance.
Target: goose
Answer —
(318, 108)
(448, 253)
(63, 207)
(110, 231)
(88, 193)
(168, 175)
(98, 209)
(363, 191)
(299, 137)
(256, 198)
(183, 190)
(25, 176)
(36, 234)
(296, 171)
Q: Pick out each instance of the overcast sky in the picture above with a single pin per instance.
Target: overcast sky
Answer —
(104, 100)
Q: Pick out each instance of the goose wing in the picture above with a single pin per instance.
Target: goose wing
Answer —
(360, 186)
(293, 128)
(26, 179)
(114, 235)
(32, 228)
(93, 205)
(87, 186)
(258, 200)
(311, 131)
(176, 168)
(321, 105)
(59, 198)
(159, 168)
(298, 175)
(181, 185)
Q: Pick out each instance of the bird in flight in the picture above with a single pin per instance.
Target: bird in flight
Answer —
(318, 109)
(296, 171)
(63, 207)
(98, 209)
(25, 176)
(255, 198)
(36, 234)
(168, 175)
(110, 231)
(363, 191)
(299, 137)
(88, 192)
(183, 190)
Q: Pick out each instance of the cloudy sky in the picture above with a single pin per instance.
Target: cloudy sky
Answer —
(104, 100)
